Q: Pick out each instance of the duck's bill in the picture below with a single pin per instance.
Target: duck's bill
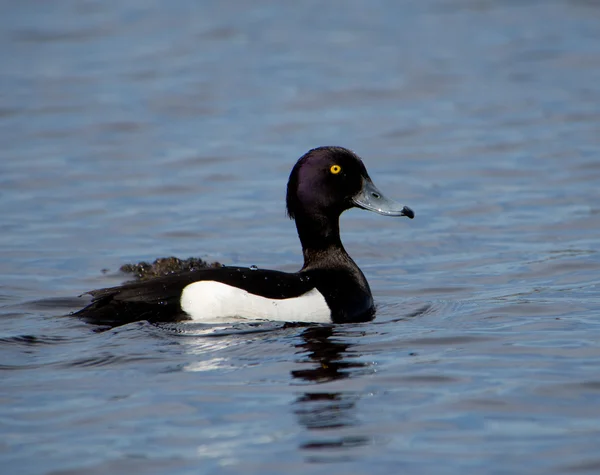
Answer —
(371, 199)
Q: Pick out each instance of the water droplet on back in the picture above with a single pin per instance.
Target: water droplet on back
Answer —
(253, 267)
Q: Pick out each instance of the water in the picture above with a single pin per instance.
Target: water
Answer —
(130, 131)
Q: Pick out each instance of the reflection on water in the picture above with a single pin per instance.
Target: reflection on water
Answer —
(320, 411)
(325, 355)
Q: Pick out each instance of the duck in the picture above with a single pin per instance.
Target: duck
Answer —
(329, 288)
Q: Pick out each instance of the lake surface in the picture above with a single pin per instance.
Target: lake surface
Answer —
(134, 130)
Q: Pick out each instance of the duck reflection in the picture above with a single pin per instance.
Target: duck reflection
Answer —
(325, 356)
(330, 417)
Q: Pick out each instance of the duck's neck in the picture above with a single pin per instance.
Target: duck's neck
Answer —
(320, 239)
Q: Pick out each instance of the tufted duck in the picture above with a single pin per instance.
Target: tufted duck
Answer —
(329, 288)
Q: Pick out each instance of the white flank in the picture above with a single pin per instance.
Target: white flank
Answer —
(213, 302)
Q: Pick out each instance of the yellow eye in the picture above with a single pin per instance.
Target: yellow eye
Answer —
(335, 169)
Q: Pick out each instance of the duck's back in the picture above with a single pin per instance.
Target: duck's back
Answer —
(211, 295)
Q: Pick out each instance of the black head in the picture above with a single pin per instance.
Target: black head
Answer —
(329, 180)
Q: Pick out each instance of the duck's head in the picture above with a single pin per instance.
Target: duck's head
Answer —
(329, 180)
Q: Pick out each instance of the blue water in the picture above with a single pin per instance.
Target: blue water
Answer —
(133, 130)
